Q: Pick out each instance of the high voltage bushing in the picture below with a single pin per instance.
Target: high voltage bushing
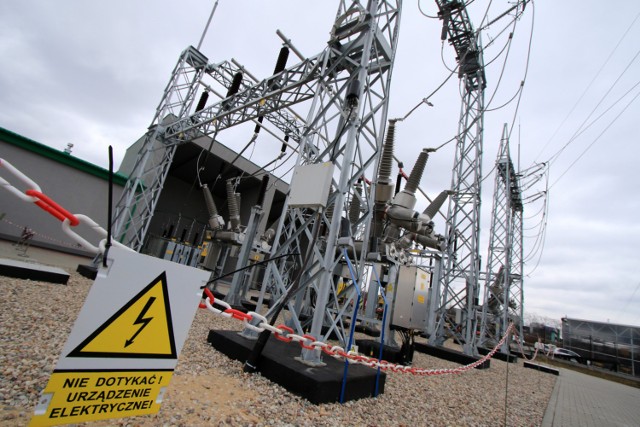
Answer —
(232, 201)
(354, 207)
(386, 162)
(215, 220)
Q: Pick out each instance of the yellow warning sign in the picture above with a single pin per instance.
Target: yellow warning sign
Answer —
(141, 328)
(73, 397)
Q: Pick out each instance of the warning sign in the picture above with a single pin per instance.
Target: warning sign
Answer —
(125, 343)
(141, 328)
(87, 396)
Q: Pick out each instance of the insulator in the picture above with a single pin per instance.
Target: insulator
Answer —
(268, 235)
(235, 84)
(354, 207)
(353, 92)
(437, 203)
(281, 63)
(416, 173)
(232, 201)
(398, 183)
(329, 212)
(208, 199)
(284, 144)
(202, 102)
(258, 127)
(386, 162)
(215, 220)
(263, 189)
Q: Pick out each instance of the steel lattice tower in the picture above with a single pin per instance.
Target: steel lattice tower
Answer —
(503, 296)
(346, 126)
(457, 287)
(135, 208)
(347, 86)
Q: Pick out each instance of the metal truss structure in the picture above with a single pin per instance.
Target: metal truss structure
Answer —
(347, 87)
(457, 288)
(345, 128)
(135, 208)
(503, 293)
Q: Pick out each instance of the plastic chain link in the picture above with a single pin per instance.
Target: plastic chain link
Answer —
(258, 323)
(35, 195)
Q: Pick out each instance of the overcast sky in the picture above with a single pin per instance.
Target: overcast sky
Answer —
(92, 74)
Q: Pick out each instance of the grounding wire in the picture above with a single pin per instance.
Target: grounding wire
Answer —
(624, 35)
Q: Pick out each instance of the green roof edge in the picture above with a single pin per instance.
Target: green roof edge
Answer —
(59, 156)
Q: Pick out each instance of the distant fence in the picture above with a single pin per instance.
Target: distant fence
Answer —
(606, 345)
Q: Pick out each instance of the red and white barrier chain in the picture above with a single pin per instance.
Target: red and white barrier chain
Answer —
(35, 195)
(286, 334)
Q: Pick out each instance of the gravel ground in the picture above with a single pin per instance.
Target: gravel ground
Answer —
(210, 389)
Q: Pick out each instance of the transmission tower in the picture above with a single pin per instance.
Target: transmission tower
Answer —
(344, 134)
(457, 287)
(503, 287)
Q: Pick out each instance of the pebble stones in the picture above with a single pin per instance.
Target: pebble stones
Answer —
(208, 389)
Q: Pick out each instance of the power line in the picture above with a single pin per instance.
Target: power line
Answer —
(573, 137)
(624, 35)
(597, 138)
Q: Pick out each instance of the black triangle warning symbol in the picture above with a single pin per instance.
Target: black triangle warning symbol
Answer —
(142, 328)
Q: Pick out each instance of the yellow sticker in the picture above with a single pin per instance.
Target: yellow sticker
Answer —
(421, 299)
(74, 397)
(141, 328)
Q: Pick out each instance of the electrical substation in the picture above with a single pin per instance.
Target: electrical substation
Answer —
(344, 245)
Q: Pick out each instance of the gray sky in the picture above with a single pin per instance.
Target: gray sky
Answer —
(92, 74)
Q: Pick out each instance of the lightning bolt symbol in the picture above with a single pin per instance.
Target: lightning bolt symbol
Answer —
(141, 320)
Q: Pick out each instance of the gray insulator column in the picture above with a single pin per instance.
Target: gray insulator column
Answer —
(416, 173)
(386, 162)
(234, 210)
(354, 207)
(215, 220)
(437, 203)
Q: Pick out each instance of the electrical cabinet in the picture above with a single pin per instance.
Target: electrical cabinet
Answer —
(411, 297)
(310, 185)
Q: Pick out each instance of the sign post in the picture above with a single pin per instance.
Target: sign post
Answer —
(124, 346)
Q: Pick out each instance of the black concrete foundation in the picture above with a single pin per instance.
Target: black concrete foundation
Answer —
(541, 368)
(371, 348)
(26, 270)
(450, 355)
(511, 358)
(316, 384)
(87, 270)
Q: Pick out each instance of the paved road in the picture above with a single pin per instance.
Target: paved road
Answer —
(580, 400)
